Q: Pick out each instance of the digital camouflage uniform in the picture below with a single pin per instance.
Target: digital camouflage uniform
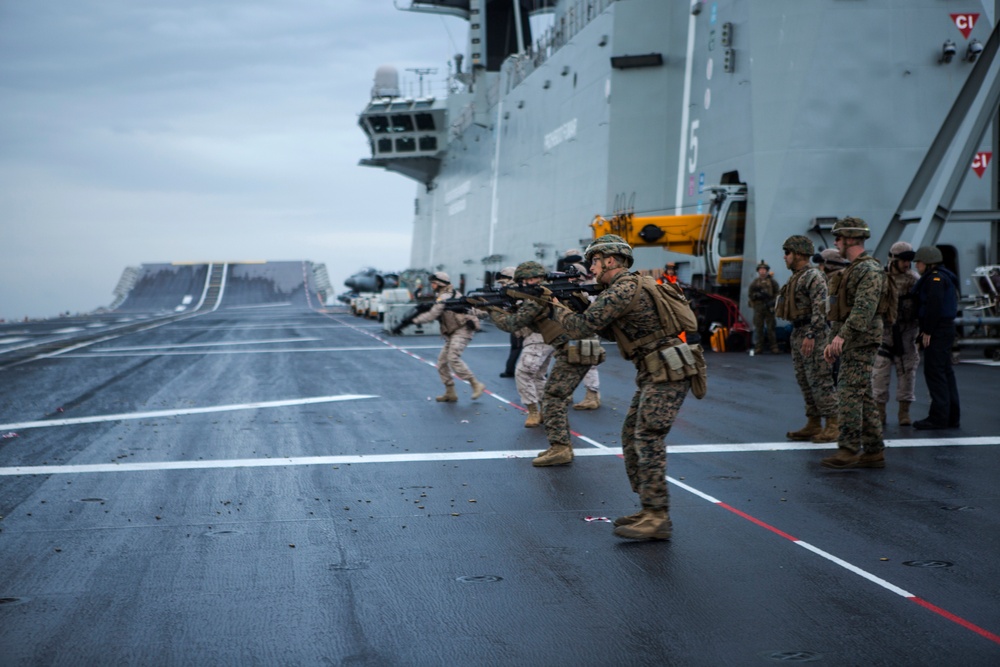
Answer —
(654, 405)
(563, 377)
(899, 345)
(812, 373)
(863, 283)
(762, 293)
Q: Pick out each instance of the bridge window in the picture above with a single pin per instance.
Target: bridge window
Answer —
(425, 122)
(385, 145)
(379, 124)
(428, 143)
(406, 145)
(402, 123)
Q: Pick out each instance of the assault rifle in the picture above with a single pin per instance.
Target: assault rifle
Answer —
(561, 286)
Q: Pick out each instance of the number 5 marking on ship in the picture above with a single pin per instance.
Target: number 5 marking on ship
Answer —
(693, 147)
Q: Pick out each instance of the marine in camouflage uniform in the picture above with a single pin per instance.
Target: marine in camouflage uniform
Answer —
(857, 329)
(563, 378)
(899, 339)
(656, 402)
(802, 301)
(457, 330)
(762, 293)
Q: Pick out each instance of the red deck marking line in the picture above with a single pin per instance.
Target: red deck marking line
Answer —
(956, 619)
(760, 523)
(943, 613)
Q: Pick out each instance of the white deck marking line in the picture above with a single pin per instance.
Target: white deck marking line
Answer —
(132, 348)
(344, 459)
(182, 411)
(100, 353)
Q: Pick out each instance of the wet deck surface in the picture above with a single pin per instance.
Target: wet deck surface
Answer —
(277, 486)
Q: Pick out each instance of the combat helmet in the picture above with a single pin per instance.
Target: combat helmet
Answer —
(440, 277)
(929, 254)
(800, 245)
(901, 250)
(763, 265)
(530, 269)
(609, 244)
(831, 256)
(851, 228)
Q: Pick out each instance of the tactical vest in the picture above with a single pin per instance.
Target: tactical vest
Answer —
(888, 303)
(786, 308)
(676, 360)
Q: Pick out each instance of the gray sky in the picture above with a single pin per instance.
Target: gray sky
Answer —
(137, 131)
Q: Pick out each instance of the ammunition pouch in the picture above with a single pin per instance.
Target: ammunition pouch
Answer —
(587, 352)
(678, 362)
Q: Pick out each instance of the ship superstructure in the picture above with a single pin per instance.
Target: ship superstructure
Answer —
(815, 109)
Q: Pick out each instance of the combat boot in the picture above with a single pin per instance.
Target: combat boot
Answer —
(534, 416)
(881, 413)
(477, 388)
(904, 413)
(830, 432)
(449, 395)
(652, 525)
(812, 427)
(630, 519)
(557, 455)
(871, 460)
(844, 458)
(591, 401)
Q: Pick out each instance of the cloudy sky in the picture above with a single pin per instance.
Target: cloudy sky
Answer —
(138, 131)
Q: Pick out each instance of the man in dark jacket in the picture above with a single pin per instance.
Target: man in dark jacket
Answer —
(937, 308)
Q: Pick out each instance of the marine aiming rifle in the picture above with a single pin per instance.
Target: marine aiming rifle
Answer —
(560, 285)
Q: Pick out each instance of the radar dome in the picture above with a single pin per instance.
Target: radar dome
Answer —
(386, 82)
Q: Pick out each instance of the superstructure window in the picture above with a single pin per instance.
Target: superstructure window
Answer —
(402, 123)
(385, 145)
(379, 124)
(425, 122)
(406, 145)
(428, 143)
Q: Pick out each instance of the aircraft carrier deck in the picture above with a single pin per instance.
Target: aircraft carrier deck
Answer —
(275, 485)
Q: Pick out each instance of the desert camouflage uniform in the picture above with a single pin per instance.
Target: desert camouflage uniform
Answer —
(592, 380)
(763, 291)
(563, 378)
(860, 427)
(532, 368)
(812, 373)
(457, 330)
(655, 404)
(899, 347)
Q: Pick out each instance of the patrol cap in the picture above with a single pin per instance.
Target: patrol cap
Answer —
(929, 254)
(441, 277)
(902, 250)
(852, 228)
(800, 245)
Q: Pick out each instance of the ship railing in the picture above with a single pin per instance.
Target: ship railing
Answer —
(577, 16)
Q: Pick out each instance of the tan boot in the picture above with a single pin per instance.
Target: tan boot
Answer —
(557, 455)
(904, 414)
(881, 413)
(630, 519)
(830, 432)
(534, 416)
(591, 401)
(871, 460)
(477, 388)
(812, 427)
(652, 525)
(449, 395)
(844, 458)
